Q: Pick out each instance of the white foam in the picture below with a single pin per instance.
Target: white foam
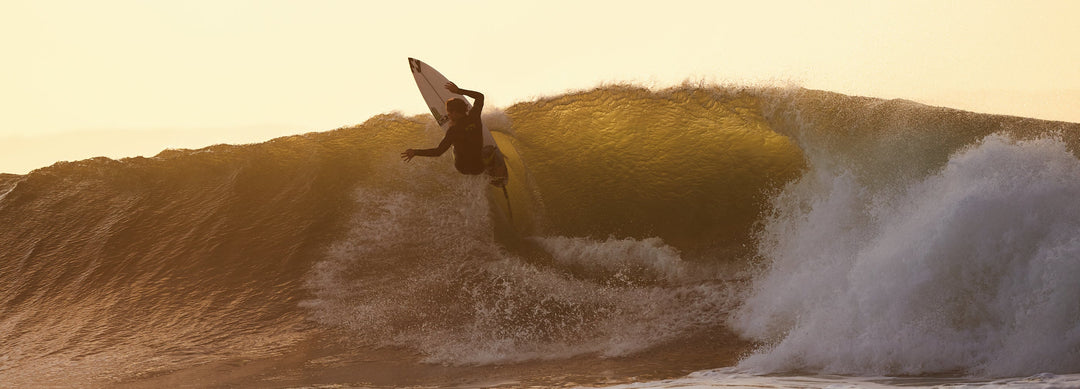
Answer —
(617, 256)
(972, 269)
(729, 378)
(419, 268)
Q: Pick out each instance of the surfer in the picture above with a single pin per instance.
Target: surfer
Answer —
(465, 134)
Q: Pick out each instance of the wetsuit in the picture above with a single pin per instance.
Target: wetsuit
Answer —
(466, 136)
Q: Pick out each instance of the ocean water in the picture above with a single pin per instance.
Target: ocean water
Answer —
(697, 236)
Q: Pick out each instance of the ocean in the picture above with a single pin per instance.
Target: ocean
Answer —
(694, 236)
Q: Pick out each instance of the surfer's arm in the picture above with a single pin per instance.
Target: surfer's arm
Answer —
(435, 152)
(478, 98)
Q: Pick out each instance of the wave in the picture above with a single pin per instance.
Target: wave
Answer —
(969, 269)
(802, 228)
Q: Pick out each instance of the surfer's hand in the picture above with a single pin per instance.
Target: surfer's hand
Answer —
(408, 155)
(450, 86)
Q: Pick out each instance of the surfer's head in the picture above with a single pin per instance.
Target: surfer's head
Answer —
(456, 108)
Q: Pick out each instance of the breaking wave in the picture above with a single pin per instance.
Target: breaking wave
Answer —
(644, 232)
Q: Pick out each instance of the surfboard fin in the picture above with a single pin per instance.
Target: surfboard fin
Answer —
(509, 211)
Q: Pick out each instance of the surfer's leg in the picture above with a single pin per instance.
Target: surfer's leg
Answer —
(494, 165)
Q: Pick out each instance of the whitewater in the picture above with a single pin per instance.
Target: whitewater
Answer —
(694, 236)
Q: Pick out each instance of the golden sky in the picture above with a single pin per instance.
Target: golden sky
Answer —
(126, 77)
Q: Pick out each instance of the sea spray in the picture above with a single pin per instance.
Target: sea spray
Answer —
(459, 299)
(971, 269)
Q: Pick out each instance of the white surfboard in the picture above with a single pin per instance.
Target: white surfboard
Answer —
(432, 86)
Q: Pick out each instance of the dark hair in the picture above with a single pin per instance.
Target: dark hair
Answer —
(456, 104)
